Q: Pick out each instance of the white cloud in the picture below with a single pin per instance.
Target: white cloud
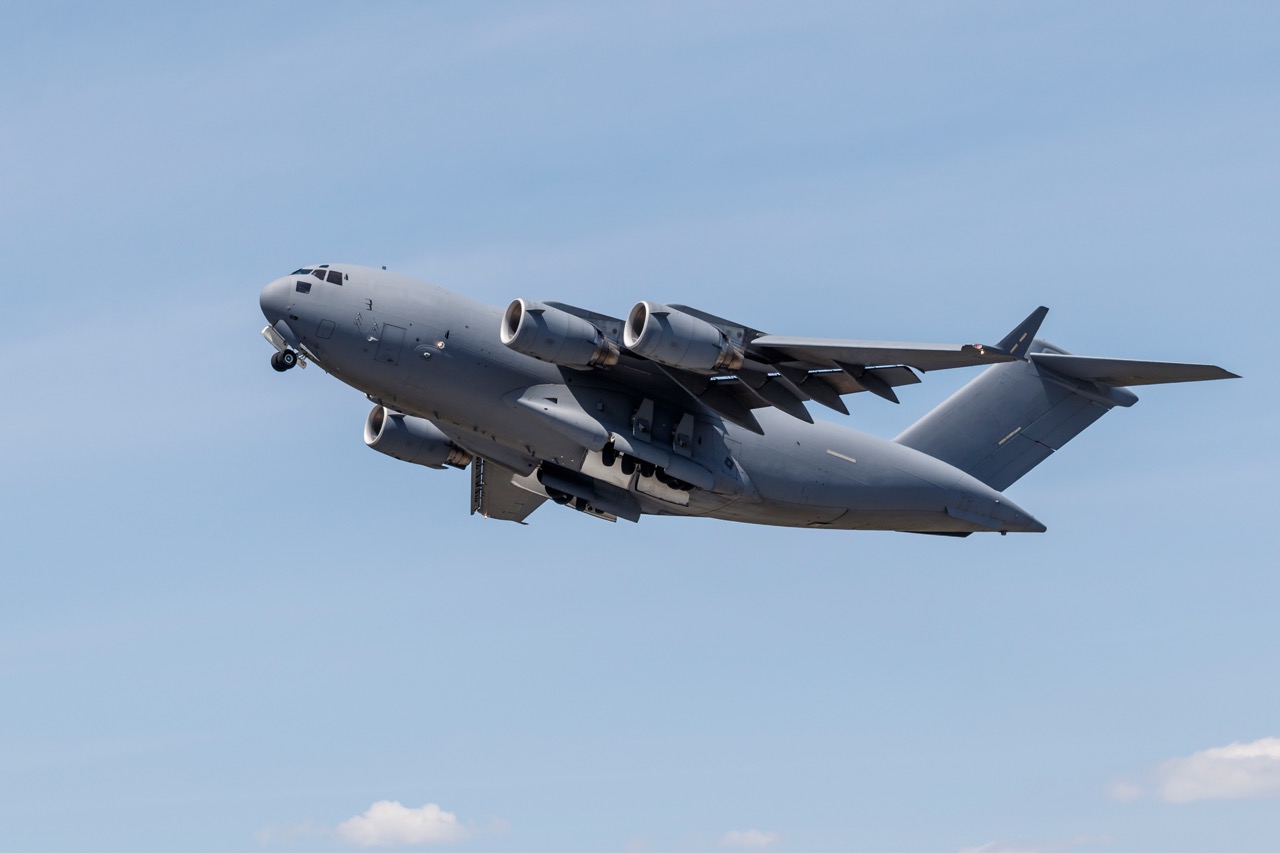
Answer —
(389, 824)
(1236, 772)
(749, 838)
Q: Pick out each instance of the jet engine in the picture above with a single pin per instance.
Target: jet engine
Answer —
(661, 333)
(411, 439)
(549, 334)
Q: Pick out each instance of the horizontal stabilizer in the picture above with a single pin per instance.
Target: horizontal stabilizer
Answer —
(1121, 372)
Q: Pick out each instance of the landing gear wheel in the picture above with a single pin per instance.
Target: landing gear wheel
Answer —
(284, 360)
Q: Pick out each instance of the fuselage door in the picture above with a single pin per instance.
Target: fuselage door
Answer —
(390, 340)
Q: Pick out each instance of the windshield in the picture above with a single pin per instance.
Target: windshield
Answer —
(323, 273)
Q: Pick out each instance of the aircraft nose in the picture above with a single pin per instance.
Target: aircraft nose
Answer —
(274, 300)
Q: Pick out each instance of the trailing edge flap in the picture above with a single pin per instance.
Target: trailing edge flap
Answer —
(493, 495)
(1122, 372)
(715, 396)
(878, 380)
(812, 388)
(776, 391)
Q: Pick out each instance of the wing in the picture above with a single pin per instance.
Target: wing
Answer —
(784, 372)
(732, 369)
(817, 351)
(856, 356)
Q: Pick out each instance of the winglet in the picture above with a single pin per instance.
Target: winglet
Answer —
(1016, 342)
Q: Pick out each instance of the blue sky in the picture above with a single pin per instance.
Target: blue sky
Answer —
(228, 626)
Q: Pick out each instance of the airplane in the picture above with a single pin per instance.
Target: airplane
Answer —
(675, 411)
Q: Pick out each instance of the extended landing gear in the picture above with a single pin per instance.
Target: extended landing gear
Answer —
(610, 456)
(284, 360)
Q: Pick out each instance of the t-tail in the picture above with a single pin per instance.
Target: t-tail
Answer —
(1014, 415)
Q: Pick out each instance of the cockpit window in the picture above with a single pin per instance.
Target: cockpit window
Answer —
(323, 273)
(303, 286)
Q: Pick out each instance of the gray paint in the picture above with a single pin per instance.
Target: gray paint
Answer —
(619, 440)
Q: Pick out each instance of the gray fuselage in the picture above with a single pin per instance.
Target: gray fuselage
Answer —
(433, 354)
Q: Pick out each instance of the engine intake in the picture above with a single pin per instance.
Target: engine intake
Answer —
(661, 333)
(411, 439)
(549, 334)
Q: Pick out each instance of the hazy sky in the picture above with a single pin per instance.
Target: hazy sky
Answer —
(227, 626)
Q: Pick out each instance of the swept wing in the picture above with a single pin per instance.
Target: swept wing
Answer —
(754, 369)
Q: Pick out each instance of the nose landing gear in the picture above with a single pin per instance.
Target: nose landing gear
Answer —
(284, 360)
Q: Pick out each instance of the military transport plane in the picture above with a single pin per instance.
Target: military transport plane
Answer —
(674, 411)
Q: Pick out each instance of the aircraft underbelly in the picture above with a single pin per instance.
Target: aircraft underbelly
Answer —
(822, 475)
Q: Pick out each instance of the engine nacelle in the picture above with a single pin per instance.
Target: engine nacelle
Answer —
(411, 439)
(549, 334)
(663, 334)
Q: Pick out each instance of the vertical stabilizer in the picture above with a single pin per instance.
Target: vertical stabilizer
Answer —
(1011, 418)
(1014, 415)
